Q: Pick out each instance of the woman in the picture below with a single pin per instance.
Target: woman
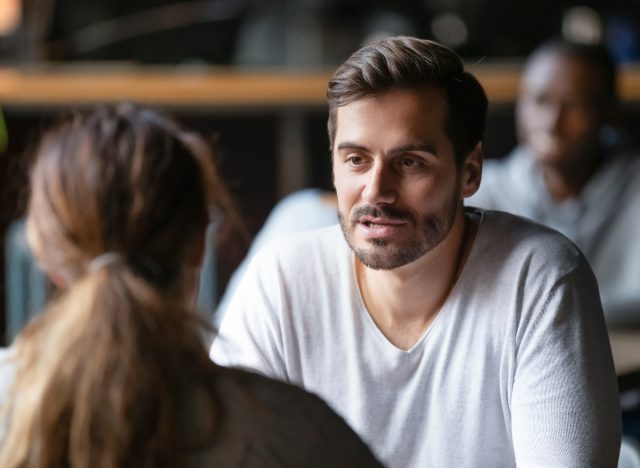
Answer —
(115, 373)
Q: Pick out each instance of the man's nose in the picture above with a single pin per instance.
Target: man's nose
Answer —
(553, 117)
(380, 185)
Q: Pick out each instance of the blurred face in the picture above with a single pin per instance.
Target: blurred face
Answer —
(396, 180)
(560, 110)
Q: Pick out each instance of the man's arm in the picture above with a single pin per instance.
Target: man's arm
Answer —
(250, 332)
(564, 405)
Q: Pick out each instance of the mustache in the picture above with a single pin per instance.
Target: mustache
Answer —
(381, 212)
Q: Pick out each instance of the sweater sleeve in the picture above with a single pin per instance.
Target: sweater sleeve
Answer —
(565, 410)
(250, 333)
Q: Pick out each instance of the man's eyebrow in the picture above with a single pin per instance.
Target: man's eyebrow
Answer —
(348, 145)
(414, 147)
(351, 146)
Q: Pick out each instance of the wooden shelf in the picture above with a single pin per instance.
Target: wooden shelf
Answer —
(222, 88)
(211, 88)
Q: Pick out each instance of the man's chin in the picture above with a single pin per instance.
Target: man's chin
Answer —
(379, 254)
(377, 260)
(551, 159)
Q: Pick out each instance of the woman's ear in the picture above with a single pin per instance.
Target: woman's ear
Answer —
(191, 274)
(471, 171)
(196, 256)
(57, 280)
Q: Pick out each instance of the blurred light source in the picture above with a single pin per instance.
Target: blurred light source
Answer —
(449, 29)
(10, 16)
(442, 5)
(582, 24)
(622, 36)
(385, 24)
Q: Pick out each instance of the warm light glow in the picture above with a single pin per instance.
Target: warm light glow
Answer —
(450, 29)
(582, 24)
(10, 16)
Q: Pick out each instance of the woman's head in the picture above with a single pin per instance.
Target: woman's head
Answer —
(121, 179)
(100, 372)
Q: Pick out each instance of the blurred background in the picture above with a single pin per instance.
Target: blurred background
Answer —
(251, 75)
(295, 33)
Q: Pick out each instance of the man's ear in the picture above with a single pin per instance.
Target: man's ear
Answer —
(471, 171)
(333, 172)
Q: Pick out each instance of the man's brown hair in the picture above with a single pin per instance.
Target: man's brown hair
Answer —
(412, 63)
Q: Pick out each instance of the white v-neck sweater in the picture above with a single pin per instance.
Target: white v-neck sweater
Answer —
(516, 368)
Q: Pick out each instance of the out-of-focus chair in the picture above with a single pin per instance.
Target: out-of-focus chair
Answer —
(629, 454)
(27, 287)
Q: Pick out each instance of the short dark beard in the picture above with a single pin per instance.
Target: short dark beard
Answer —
(380, 256)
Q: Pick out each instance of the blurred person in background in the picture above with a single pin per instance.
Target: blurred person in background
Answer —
(571, 170)
(115, 372)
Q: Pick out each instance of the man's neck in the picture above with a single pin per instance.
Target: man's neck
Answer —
(403, 302)
(567, 182)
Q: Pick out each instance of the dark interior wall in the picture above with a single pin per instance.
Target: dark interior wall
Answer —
(207, 35)
(269, 32)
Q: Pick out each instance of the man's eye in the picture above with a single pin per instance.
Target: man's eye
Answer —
(540, 100)
(354, 160)
(409, 162)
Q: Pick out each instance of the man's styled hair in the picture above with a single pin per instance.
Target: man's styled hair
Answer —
(595, 56)
(411, 63)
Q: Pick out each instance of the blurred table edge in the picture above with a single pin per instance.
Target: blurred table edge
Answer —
(219, 87)
(625, 347)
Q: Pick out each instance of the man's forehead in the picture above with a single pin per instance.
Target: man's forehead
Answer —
(415, 118)
(565, 73)
(426, 97)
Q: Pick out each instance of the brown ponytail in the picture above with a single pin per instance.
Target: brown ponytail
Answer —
(98, 374)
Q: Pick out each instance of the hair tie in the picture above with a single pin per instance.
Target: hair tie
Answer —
(104, 260)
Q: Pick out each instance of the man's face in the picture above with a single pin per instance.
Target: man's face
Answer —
(560, 110)
(396, 180)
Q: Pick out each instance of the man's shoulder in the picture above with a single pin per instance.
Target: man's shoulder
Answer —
(314, 242)
(502, 224)
(303, 257)
(516, 235)
(527, 257)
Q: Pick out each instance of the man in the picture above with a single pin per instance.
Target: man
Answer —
(569, 173)
(444, 336)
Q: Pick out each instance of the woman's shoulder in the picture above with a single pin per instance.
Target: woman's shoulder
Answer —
(7, 371)
(275, 419)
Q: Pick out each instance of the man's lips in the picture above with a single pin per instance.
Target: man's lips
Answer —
(371, 221)
(381, 227)
(380, 222)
